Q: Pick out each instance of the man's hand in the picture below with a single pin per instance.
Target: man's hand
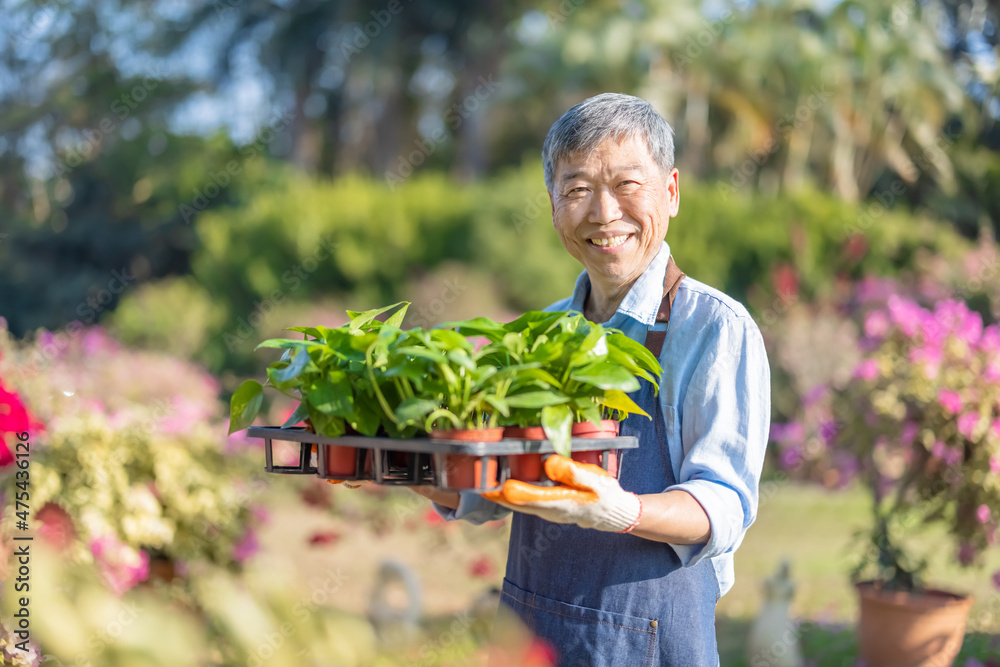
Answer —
(587, 496)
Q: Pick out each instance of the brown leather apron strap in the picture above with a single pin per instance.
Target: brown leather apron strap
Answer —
(671, 283)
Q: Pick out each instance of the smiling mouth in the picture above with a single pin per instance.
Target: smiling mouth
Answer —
(610, 242)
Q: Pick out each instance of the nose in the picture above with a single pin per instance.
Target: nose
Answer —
(604, 206)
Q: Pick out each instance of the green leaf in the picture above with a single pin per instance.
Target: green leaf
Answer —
(460, 358)
(310, 331)
(361, 320)
(502, 406)
(396, 319)
(295, 368)
(245, 405)
(331, 396)
(480, 326)
(637, 351)
(289, 343)
(414, 409)
(606, 376)
(366, 418)
(619, 400)
(422, 353)
(301, 412)
(535, 399)
(327, 425)
(557, 421)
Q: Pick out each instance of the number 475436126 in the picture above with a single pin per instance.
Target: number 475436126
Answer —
(22, 451)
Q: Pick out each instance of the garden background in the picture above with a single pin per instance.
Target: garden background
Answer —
(180, 180)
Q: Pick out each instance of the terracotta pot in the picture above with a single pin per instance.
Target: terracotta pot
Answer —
(608, 428)
(898, 629)
(525, 467)
(469, 434)
(341, 460)
(462, 470)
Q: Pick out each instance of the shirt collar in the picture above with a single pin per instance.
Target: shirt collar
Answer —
(642, 301)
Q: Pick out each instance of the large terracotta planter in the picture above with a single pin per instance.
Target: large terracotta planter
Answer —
(898, 629)
(463, 471)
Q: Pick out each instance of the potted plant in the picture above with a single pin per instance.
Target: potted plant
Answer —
(921, 416)
(328, 374)
(571, 379)
(446, 390)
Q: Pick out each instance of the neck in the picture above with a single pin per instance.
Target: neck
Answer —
(603, 301)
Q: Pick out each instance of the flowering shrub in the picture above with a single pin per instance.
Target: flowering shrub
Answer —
(134, 464)
(921, 417)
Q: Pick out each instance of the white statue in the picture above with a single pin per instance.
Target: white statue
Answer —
(774, 638)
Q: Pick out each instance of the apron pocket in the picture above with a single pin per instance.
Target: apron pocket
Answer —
(582, 636)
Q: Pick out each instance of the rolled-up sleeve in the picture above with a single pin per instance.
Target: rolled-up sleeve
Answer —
(473, 508)
(725, 420)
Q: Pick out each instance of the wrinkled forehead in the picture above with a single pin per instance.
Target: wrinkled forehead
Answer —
(616, 152)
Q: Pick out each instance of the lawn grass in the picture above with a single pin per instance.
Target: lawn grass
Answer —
(809, 526)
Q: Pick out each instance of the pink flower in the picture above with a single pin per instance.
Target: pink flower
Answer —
(996, 427)
(876, 324)
(791, 456)
(57, 526)
(246, 547)
(992, 372)
(967, 423)
(983, 513)
(939, 449)
(909, 433)
(995, 465)
(793, 431)
(813, 395)
(828, 431)
(996, 579)
(121, 566)
(953, 456)
(866, 370)
(990, 340)
(905, 314)
(950, 401)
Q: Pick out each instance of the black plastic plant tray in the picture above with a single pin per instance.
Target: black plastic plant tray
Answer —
(428, 460)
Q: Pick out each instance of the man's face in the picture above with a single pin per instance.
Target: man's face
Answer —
(612, 209)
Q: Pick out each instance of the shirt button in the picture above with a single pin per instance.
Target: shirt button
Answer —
(652, 623)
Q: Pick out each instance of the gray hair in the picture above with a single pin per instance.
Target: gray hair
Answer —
(604, 116)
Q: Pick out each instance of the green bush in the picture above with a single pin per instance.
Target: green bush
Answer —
(298, 240)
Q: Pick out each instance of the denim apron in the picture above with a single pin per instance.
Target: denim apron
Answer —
(608, 599)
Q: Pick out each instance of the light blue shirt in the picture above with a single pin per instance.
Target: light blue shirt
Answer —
(715, 393)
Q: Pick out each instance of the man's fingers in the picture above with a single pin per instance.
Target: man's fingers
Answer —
(516, 492)
(567, 471)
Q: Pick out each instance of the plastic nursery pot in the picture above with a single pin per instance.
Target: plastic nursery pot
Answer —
(463, 471)
(525, 467)
(898, 628)
(608, 428)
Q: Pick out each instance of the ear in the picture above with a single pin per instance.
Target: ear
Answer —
(673, 193)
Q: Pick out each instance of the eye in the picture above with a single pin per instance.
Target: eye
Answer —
(628, 184)
(578, 191)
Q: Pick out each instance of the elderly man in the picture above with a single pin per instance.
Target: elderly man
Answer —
(628, 571)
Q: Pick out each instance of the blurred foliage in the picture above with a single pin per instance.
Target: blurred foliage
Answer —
(367, 243)
(142, 467)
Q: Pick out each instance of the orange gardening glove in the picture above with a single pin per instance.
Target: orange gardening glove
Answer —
(586, 495)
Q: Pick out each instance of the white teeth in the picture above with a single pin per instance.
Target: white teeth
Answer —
(611, 242)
